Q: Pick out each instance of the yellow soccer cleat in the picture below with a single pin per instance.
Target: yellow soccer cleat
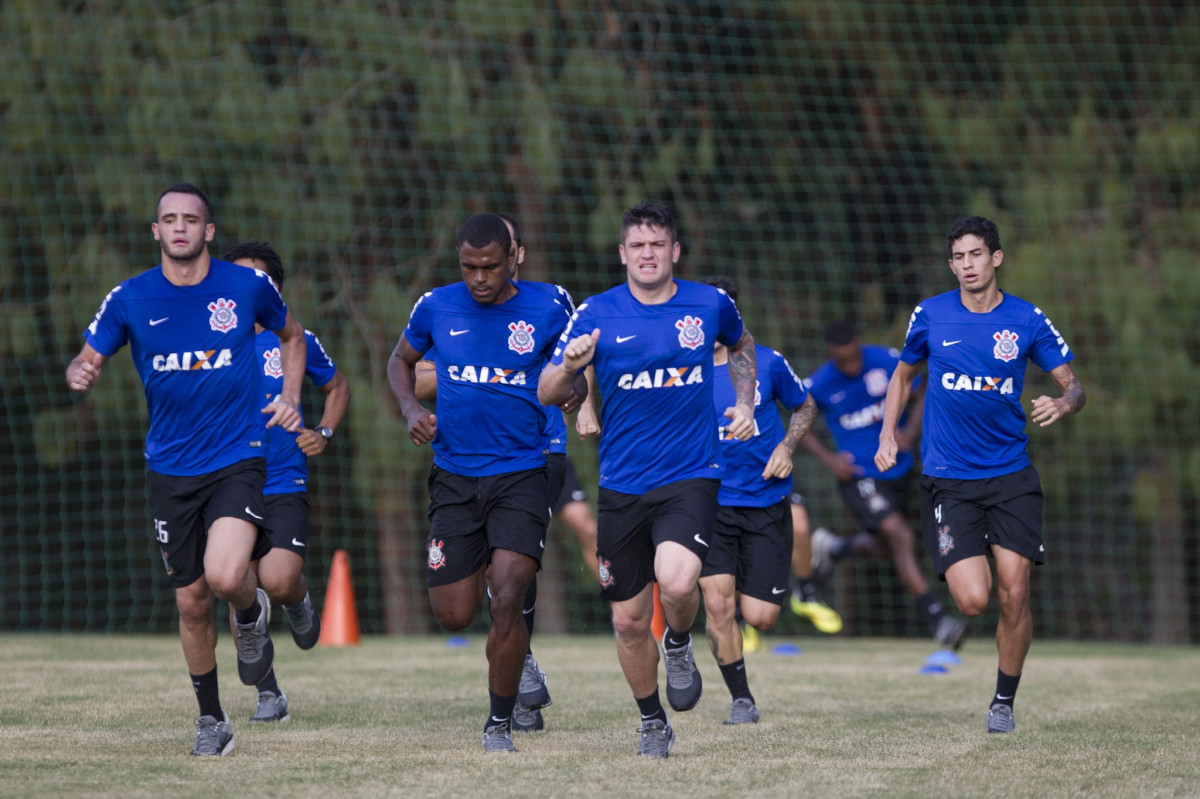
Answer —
(823, 617)
(751, 640)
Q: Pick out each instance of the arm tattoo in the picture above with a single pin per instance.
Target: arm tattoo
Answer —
(802, 419)
(1072, 389)
(742, 369)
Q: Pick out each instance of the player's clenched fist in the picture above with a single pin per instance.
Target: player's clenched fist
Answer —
(580, 351)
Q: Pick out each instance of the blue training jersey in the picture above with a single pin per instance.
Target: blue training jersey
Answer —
(193, 347)
(743, 484)
(974, 425)
(489, 359)
(654, 370)
(287, 465)
(853, 408)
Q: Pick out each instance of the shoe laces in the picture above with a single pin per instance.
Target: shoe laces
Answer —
(300, 616)
(249, 641)
(532, 677)
(678, 663)
(207, 735)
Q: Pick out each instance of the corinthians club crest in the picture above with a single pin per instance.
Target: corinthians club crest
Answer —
(520, 340)
(223, 318)
(437, 558)
(1006, 345)
(690, 334)
(274, 365)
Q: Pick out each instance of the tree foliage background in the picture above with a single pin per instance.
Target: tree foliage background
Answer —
(813, 151)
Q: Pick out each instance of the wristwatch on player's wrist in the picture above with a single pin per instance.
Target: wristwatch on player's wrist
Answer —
(324, 432)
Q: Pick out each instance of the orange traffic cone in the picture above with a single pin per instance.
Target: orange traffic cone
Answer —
(339, 619)
(658, 622)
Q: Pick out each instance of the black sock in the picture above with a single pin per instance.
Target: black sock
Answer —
(1006, 688)
(842, 548)
(502, 708)
(250, 614)
(673, 639)
(268, 683)
(806, 589)
(651, 708)
(207, 694)
(928, 604)
(734, 675)
(530, 607)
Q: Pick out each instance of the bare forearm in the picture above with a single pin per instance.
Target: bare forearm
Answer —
(743, 369)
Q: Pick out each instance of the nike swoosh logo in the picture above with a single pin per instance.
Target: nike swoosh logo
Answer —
(155, 322)
(699, 539)
(778, 591)
(951, 343)
(459, 332)
(623, 339)
(252, 513)
(297, 543)
(1005, 697)
(542, 544)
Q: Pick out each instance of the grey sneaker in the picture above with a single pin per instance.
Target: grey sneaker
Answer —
(213, 738)
(255, 652)
(306, 623)
(823, 541)
(1000, 718)
(527, 719)
(684, 685)
(533, 693)
(744, 711)
(657, 738)
(951, 631)
(271, 707)
(497, 737)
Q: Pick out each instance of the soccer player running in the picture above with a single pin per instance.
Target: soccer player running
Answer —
(280, 571)
(533, 694)
(487, 486)
(979, 492)
(190, 325)
(650, 341)
(849, 389)
(750, 550)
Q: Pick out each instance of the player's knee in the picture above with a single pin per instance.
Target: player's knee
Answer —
(453, 619)
(193, 607)
(718, 607)
(631, 627)
(761, 619)
(971, 603)
(225, 584)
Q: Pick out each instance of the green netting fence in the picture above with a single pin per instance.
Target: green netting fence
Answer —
(813, 151)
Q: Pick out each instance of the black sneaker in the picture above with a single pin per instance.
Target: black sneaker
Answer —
(1000, 718)
(951, 631)
(684, 685)
(255, 652)
(532, 692)
(306, 623)
(271, 707)
(527, 719)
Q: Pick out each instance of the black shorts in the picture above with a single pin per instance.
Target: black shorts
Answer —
(964, 518)
(872, 500)
(631, 526)
(471, 516)
(287, 522)
(556, 476)
(571, 490)
(755, 546)
(185, 507)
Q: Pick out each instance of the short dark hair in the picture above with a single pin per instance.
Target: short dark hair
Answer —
(974, 225)
(841, 332)
(188, 188)
(723, 283)
(516, 229)
(650, 214)
(480, 230)
(259, 251)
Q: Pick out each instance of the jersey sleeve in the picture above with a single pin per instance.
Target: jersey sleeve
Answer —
(419, 330)
(916, 341)
(729, 321)
(787, 387)
(320, 368)
(580, 323)
(269, 309)
(1049, 350)
(108, 331)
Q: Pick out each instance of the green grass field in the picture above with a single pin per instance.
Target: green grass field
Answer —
(112, 715)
